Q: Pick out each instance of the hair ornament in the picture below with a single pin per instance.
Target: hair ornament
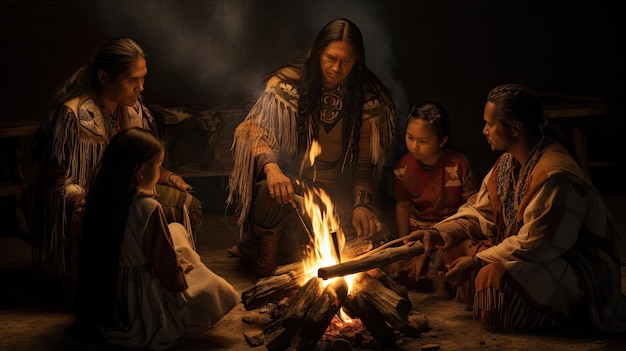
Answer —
(433, 114)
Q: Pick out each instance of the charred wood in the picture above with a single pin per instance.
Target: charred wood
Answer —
(356, 247)
(320, 315)
(282, 331)
(372, 319)
(271, 289)
(394, 308)
(296, 267)
(300, 303)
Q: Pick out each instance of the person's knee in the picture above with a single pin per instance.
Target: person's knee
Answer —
(265, 211)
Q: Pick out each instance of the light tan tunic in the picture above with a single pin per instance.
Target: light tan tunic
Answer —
(167, 289)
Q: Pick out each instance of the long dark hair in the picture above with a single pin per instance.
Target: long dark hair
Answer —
(115, 57)
(360, 80)
(104, 220)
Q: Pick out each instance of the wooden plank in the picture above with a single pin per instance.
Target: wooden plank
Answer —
(18, 128)
(10, 188)
(579, 110)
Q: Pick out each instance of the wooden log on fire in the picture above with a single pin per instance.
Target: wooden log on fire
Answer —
(372, 319)
(271, 289)
(298, 307)
(296, 267)
(375, 260)
(320, 315)
(300, 304)
(393, 308)
(388, 282)
(356, 247)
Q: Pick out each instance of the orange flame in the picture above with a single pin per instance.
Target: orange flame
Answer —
(324, 220)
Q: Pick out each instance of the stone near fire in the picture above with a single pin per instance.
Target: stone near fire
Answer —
(254, 338)
(251, 318)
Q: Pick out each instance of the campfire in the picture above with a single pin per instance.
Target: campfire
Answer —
(338, 291)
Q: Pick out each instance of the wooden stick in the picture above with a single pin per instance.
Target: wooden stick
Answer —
(376, 260)
(384, 246)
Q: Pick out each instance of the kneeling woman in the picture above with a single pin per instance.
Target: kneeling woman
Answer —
(140, 281)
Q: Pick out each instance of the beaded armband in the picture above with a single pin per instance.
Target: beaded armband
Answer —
(363, 198)
(478, 263)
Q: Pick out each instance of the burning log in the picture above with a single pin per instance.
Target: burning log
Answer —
(372, 320)
(271, 289)
(296, 267)
(320, 315)
(310, 311)
(394, 308)
(375, 260)
(302, 302)
(384, 278)
(297, 309)
(356, 247)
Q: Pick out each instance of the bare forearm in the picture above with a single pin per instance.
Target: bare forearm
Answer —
(402, 220)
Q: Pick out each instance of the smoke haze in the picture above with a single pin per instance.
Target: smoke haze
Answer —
(223, 48)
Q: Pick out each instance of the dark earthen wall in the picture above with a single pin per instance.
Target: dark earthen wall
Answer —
(215, 53)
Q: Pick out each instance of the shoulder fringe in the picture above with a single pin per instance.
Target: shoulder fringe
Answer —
(383, 130)
(78, 150)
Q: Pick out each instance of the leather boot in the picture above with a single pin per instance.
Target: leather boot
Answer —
(259, 251)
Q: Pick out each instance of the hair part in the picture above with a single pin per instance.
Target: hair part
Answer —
(518, 103)
(433, 113)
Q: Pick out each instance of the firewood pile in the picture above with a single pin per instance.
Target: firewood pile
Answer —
(373, 312)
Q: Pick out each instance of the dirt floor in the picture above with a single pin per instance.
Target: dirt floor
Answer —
(34, 317)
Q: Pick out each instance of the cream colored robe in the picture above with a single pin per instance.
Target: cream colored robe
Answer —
(566, 248)
(158, 317)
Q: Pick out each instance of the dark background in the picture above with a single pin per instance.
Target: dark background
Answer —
(216, 52)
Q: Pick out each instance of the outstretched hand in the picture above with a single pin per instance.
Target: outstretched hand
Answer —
(428, 237)
(365, 222)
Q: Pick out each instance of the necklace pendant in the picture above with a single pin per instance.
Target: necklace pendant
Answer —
(332, 103)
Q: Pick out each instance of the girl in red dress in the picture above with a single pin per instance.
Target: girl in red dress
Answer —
(431, 181)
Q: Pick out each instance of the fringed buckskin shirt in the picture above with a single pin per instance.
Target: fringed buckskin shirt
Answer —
(268, 134)
(78, 137)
